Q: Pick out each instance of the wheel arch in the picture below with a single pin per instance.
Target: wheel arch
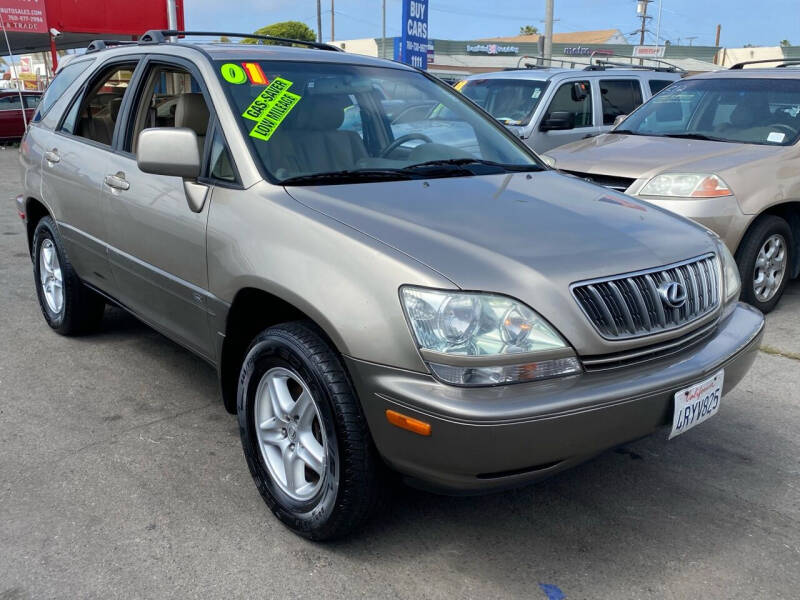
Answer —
(790, 212)
(35, 210)
(253, 309)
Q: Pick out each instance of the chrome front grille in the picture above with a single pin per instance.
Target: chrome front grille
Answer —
(630, 305)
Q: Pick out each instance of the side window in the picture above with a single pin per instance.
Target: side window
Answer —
(220, 160)
(94, 116)
(573, 97)
(10, 102)
(656, 85)
(620, 97)
(59, 85)
(170, 97)
(32, 101)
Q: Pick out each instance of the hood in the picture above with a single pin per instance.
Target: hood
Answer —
(635, 156)
(528, 236)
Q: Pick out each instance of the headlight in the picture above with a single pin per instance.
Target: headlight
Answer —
(686, 185)
(484, 339)
(730, 274)
(548, 160)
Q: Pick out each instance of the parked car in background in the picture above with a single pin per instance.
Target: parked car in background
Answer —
(549, 107)
(721, 148)
(12, 125)
(472, 320)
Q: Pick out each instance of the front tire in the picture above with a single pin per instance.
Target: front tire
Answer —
(304, 435)
(765, 261)
(68, 306)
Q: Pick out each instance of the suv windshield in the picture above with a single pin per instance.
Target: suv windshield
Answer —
(510, 101)
(323, 123)
(743, 110)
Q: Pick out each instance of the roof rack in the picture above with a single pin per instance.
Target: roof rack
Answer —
(601, 64)
(98, 45)
(561, 62)
(784, 62)
(160, 36)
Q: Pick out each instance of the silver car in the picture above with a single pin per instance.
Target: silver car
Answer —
(550, 107)
(472, 321)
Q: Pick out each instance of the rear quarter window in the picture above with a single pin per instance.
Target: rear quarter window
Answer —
(656, 85)
(59, 85)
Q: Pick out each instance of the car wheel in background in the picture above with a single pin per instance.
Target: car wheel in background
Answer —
(68, 306)
(764, 258)
(304, 435)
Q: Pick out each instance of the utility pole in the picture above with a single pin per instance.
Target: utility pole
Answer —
(333, 27)
(719, 31)
(383, 32)
(641, 10)
(658, 25)
(548, 29)
(319, 20)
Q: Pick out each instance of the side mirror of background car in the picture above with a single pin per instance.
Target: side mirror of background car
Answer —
(558, 120)
(619, 119)
(173, 151)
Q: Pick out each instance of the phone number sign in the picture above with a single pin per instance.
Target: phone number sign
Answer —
(23, 15)
(414, 41)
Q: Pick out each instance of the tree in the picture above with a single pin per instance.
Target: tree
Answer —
(785, 43)
(294, 30)
(224, 39)
(528, 30)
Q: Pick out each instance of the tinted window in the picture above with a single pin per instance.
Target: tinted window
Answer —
(10, 102)
(620, 97)
(656, 85)
(32, 101)
(59, 85)
(510, 101)
(574, 97)
(171, 98)
(221, 165)
(95, 116)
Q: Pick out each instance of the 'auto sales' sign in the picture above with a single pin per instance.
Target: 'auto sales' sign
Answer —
(25, 16)
(414, 41)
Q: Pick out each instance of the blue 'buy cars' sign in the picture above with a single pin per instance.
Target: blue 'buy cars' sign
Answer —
(414, 41)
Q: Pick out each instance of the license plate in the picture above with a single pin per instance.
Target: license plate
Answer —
(696, 404)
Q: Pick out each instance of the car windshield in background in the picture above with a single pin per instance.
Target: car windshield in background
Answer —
(749, 111)
(325, 123)
(510, 101)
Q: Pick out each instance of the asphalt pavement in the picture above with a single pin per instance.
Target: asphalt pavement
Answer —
(122, 476)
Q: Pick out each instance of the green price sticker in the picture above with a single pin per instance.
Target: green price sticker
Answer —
(233, 73)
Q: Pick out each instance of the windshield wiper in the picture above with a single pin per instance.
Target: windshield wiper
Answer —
(347, 176)
(693, 136)
(628, 132)
(466, 162)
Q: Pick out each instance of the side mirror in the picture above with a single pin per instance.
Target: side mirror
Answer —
(168, 151)
(579, 91)
(619, 119)
(173, 151)
(558, 120)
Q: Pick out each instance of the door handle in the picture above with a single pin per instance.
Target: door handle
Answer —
(52, 156)
(117, 181)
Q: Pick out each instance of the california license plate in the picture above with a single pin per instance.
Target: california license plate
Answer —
(696, 404)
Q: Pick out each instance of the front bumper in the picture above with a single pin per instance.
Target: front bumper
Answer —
(721, 215)
(492, 438)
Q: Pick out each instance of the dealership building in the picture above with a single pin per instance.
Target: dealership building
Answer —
(458, 58)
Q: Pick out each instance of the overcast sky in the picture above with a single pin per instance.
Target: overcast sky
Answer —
(762, 23)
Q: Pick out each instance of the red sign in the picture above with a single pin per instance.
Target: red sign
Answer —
(27, 16)
(119, 17)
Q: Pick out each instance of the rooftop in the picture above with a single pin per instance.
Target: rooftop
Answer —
(599, 36)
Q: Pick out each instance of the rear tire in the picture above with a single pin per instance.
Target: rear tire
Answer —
(765, 259)
(68, 306)
(317, 473)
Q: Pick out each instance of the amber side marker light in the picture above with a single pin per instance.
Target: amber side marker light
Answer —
(404, 422)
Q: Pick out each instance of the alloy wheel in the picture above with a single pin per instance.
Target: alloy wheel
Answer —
(770, 267)
(50, 276)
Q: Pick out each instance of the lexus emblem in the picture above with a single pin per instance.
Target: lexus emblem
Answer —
(672, 293)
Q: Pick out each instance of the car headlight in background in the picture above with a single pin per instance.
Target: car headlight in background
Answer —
(478, 339)
(730, 274)
(686, 185)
